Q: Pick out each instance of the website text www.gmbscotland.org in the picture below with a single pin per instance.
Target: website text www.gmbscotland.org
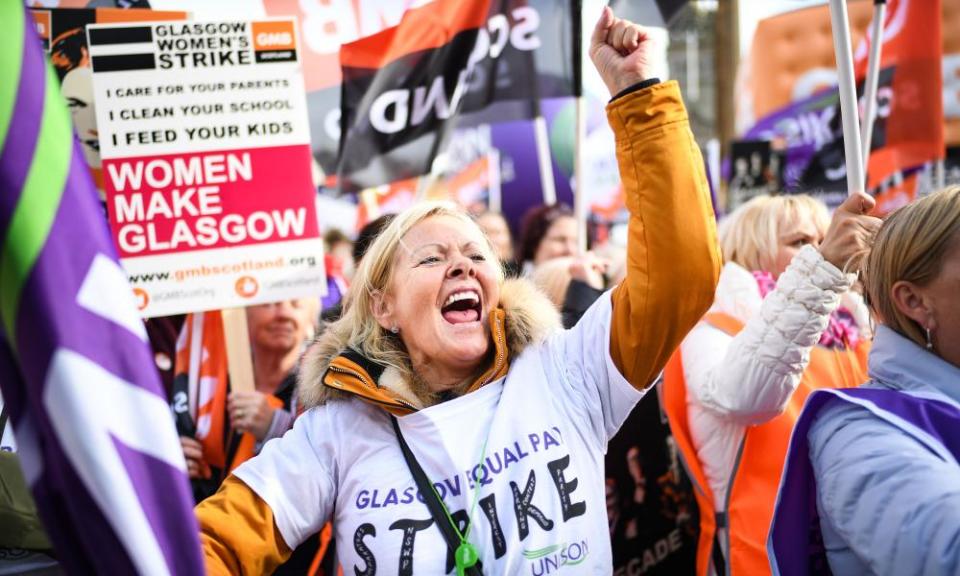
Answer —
(203, 271)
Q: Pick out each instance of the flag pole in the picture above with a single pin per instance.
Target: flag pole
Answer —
(495, 197)
(543, 159)
(873, 79)
(580, 200)
(848, 97)
(548, 186)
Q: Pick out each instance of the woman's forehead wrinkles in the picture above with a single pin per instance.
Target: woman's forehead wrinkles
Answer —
(418, 247)
(441, 246)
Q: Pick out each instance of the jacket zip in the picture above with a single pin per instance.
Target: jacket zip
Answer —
(500, 345)
(367, 383)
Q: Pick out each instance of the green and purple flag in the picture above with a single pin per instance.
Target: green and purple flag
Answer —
(95, 434)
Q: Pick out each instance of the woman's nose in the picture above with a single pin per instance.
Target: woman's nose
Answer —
(462, 266)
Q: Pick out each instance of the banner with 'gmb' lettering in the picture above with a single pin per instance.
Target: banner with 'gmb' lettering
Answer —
(206, 160)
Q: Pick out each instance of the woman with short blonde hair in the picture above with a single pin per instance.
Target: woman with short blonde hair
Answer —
(912, 248)
(880, 462)
(751, 234)
(775, 332)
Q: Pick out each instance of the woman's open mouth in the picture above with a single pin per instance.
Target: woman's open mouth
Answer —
(461, 307)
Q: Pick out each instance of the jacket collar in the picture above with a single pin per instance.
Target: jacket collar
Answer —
(330, 370)
(353, 373)
(898, 362)
(737, 293)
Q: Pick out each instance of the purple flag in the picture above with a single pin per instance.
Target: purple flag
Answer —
(805, 127)
(95, 435)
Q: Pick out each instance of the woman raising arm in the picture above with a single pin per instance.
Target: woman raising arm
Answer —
(507, 415)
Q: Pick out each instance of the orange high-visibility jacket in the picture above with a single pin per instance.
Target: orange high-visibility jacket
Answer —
(756, 475)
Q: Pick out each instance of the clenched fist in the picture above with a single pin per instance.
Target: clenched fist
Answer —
(851, 230)
(622, 51)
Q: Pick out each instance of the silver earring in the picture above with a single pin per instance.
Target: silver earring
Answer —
(396, 330)
(929, 340)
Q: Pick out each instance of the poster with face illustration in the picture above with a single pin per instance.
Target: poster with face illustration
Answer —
(63, 34)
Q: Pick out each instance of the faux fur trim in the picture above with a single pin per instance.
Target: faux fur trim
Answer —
(392, 380)
(531, 316)
(530, 319)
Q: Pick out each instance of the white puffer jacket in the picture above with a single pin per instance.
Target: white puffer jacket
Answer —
(736, 382)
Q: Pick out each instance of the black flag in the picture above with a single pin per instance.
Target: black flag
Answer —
(404, 88)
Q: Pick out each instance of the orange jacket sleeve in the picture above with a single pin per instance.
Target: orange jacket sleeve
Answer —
(238, 533)
(673, 259)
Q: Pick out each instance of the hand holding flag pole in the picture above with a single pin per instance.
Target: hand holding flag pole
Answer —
(856, 181)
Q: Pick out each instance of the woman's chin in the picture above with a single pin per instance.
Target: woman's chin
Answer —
(467, 352)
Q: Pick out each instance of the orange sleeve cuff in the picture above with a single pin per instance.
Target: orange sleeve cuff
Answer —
(238, 533)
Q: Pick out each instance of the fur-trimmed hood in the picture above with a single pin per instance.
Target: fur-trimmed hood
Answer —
(330, 369)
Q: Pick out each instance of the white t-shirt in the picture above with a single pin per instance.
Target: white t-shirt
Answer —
(541, 505)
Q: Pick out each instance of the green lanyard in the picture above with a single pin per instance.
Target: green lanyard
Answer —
(466, 555)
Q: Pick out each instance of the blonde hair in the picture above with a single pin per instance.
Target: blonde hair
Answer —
(750, 235)
(357, 327)
(553, 278)
(910, 246)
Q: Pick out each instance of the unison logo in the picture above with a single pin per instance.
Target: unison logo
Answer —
(551, 558)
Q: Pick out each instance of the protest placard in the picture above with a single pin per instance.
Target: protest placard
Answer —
(207, 165)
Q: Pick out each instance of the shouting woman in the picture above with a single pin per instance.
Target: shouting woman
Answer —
(455, 424)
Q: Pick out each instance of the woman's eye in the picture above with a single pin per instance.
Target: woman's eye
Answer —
(430, 260)
(478, 258)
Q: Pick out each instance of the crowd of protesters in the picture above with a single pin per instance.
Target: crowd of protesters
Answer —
(777, 395)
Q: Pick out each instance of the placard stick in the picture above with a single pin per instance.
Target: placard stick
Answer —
(239, 356)
(544, 160)
(548, 187)
(873, 79)
(580, 198)
(196, 358)
(848, 97)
